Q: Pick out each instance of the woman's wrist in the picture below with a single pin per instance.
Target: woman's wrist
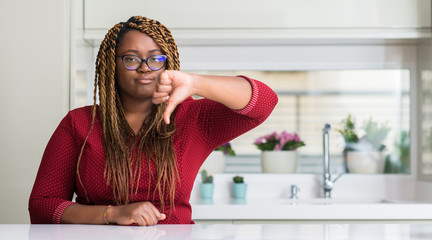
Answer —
(110, 214)
(105, 214)
(195, 84)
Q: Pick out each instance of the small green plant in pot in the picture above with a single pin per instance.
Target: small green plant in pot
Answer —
(364, 153)
(206, 186)
(372, 139)
(349, 134)
(239, 187)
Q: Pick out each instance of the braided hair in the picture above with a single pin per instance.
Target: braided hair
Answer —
(119, 140)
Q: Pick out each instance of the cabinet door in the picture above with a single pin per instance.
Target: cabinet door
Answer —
(253, 14)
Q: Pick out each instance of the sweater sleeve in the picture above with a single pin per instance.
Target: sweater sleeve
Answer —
(262, 102)
(55, 181)
(216, 124)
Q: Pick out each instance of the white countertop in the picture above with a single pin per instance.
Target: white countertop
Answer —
(309, 209)
(204, 231)
(354, 197)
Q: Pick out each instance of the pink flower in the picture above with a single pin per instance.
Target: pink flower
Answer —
(268, 137)
(282, 142)
(296, 137)
(279, 142)
(259, 140)
(287, 136)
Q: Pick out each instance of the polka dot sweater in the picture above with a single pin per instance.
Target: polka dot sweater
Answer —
(202, 125)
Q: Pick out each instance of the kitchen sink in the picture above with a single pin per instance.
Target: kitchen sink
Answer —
(333, 201)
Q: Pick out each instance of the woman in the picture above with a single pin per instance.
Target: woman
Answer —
(133, 158)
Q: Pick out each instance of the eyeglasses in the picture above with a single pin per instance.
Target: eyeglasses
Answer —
(133, 62)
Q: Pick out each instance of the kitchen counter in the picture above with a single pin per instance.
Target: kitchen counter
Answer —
(355, 197)
(204, 231)
(309, 209)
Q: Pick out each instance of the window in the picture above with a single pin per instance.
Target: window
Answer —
(310, 99)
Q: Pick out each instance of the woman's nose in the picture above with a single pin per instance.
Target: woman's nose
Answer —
(144, 68)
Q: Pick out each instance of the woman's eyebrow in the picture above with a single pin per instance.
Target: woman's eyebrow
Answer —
(136, 51)
(130, 50)
(155, 50)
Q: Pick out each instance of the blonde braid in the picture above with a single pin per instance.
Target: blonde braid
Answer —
(116, 169)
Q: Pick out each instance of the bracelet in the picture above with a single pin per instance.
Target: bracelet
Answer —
(105, 215)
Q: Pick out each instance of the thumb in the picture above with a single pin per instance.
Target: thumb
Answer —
(162, 217)
(168, 111)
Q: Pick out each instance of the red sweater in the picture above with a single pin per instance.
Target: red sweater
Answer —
(202, 125)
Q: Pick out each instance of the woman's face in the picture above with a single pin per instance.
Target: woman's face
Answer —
(137, 84)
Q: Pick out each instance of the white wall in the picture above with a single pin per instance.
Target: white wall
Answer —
(34, 85)
(423, 191)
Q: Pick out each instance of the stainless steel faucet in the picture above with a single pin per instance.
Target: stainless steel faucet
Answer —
(294, 191)
(327, 183)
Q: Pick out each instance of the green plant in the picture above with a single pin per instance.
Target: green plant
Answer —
(372, 139)
(348, 130)
(205, 177)
(279, 142)
(238, 179)
(376, 134)
(227, 149)
(399, 161)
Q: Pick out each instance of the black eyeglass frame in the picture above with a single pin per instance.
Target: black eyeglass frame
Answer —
(143, 60)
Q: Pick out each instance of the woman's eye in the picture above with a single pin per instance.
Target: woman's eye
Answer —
(157, 59)
(131, 59)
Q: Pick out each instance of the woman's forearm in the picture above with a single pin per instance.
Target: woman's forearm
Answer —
(233, 92)
(83, 214)
(139, 213)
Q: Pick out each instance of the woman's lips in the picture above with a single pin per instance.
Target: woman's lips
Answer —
(144, 80)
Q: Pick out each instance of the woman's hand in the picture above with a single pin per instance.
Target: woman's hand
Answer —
(141, 213)
(173, 88)
(176, 86)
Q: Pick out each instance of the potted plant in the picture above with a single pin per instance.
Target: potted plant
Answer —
(215, 162)
(239, 187)
(279, 152)
(364, 154)
(206, 186)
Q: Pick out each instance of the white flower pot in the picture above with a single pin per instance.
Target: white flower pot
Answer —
(215, 163)
(279, 161)
(365, 161)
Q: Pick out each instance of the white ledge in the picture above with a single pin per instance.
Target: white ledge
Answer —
(310, 209)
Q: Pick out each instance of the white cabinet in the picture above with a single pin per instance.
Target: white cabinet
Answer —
(198, 19)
